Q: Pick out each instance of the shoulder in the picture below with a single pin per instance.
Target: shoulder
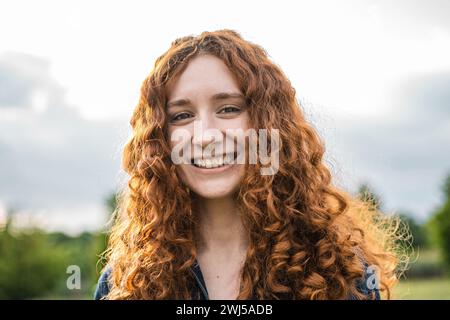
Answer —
(103, 284)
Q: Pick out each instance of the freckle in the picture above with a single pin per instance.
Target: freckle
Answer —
(217, 277)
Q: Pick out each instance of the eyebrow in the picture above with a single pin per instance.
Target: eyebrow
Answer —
(217, 97)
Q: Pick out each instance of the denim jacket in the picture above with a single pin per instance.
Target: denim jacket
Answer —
(199, 290)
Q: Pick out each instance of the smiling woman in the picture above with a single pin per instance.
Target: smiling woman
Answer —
(215, 227)
(212, 96)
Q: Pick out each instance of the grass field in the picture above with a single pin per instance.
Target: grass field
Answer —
(423, 289)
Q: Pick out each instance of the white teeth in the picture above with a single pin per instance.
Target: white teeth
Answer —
(213, 163)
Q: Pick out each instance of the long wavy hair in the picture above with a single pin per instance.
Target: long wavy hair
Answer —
(308, 238)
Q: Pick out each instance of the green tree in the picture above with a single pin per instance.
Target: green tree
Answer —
(111, 202)
(439, 225)
(29, 265)
(418, 231)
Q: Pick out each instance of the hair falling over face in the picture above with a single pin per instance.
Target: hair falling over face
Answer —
(308, 238)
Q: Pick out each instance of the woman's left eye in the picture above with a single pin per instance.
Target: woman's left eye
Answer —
(229, 109)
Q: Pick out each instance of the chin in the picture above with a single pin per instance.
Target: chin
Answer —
(214, 192)
(212, 186)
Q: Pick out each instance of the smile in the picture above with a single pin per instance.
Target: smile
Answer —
(214, 162)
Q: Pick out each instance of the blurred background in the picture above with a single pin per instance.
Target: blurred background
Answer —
(372, 76)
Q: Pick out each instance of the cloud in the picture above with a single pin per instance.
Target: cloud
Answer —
(20, 76)
(428, 96)
(52, 158)
(416, 12)
(404, 153)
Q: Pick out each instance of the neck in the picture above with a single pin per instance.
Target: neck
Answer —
(220, 225)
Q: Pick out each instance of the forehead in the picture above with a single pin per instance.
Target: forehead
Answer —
(204, 75)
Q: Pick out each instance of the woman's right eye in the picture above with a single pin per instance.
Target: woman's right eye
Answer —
(181, 116)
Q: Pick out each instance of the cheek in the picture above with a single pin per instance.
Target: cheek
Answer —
(170, 134)
(242, 122)
(245, 119)
(179, 140)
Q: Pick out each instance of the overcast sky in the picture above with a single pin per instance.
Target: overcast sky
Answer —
(373, 77)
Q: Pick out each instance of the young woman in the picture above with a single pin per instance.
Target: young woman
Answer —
(216, 228)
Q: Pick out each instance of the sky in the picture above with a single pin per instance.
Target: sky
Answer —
(373, 77)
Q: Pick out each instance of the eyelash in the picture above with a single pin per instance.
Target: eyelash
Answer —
(179, 114)
(230, 107)
(236, 109)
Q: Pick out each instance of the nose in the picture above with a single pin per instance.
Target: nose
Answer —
(207, 133)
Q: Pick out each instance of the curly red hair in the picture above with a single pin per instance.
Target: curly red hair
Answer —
(308, 239)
